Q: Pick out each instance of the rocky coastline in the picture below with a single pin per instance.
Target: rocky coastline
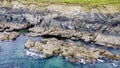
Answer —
(70, 50)
(92, 27)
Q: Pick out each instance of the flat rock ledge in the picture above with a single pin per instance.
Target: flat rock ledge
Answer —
(70, 50)
(9, 36)
(97, 38)
(7, 26)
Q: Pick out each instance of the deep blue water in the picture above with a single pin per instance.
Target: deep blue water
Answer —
(13, 55)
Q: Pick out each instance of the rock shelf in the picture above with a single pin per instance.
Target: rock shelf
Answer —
(98, 38)
(9, 36)
(69, 49)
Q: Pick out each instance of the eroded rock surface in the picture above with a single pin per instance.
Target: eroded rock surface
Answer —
(71, 34)
(9, 36)
(98, 38)
(12, 26)
(93, 27)
(69, 49)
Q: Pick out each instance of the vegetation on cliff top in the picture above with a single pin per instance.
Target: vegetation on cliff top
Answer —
(75, 1)
(88, 4)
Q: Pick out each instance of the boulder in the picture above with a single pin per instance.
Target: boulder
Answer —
(29, 44)
(13, 35)
(4, 36)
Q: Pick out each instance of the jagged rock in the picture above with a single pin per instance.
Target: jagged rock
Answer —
(110, 41)
(38, 48)
(4, 36)
(98, 38)
(110, 55)
(51, 46)
(9, 36)
(13, 35)
(47, 51)
(29, 44)
(71, 34)
(13, 26)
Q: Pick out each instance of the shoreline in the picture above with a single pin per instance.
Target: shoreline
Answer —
(59, 22)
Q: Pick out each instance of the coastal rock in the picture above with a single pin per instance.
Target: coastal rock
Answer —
(13, 26)
(71, 34)
(9, 36)
(107, 40)
(4, 36)
(70, 49)
(98, 38)
(110, 55)
(47, 51)
(13, 35)
(29, 44)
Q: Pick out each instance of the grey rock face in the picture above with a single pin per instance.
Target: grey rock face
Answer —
(89, 22)
(87, 26)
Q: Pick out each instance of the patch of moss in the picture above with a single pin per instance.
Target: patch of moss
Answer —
(23, 31)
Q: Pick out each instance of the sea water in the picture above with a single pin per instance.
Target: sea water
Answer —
(13, 55)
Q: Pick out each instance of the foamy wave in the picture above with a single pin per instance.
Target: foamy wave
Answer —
(35, 54)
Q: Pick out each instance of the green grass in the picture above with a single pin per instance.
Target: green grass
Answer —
(87, 4)
(74, 1)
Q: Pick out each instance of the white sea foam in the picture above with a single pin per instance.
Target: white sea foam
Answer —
(35, 54)
(83, 61)
(100, 60)
(114, 64)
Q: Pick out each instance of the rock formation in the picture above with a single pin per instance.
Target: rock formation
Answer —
(92, 27)
(9, 36)
(70, 49)
(98, 38)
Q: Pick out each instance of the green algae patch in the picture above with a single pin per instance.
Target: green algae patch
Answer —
(23, 31)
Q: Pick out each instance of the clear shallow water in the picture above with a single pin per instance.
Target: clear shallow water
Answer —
(13, 55)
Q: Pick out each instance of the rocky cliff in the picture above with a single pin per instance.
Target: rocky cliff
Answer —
(91, 27)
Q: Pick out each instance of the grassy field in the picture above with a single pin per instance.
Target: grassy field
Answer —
(74, 1)
(87, 4)
(84, 3)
